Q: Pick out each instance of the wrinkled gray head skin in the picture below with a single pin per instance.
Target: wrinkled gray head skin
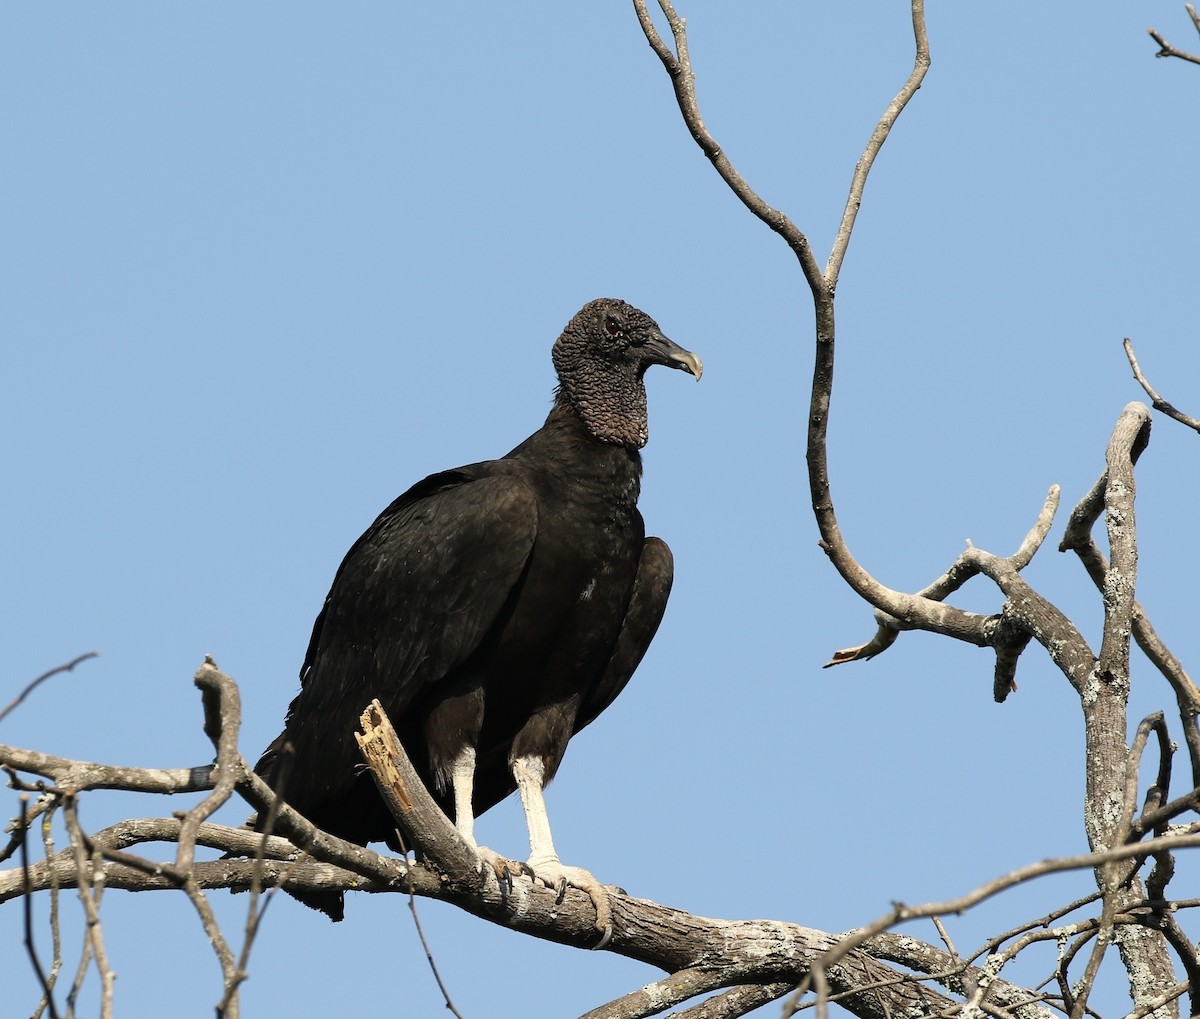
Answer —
(601, 357)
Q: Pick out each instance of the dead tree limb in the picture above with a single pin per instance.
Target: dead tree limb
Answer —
(1165, 49)
(35, 683)
(1156, 401)
(747, 962)
(1100, 678)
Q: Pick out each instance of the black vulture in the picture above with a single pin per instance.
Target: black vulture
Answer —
(495, 610)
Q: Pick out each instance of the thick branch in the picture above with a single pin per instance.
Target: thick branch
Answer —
(1104, 699)
(1027, 612)
(1078, 539)
(701, 954)
(79, 776)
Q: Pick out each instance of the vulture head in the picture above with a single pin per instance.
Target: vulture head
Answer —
(601, 357)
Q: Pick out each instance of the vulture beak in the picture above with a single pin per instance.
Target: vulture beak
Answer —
(662, 351)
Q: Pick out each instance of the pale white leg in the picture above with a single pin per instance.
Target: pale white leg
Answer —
(462, 781)
(530, 775)
(543, 860)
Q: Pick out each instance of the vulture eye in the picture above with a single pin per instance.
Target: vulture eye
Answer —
(612, 326)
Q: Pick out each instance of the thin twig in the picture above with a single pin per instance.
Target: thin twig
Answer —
(1165, 49)
(81, 776)
(55, 926)
(945, 936)
(1157, 401)
(30, 949)
(30, 687)
(222, 718)
(1169, 927)
(14, 828)
(1151, 723)
(81, 971)
(862, 169)
(412, 908)
(223, 713)
(254, 913)
(902, 913)
(679, 68)
(1103, 938)
(91, 887)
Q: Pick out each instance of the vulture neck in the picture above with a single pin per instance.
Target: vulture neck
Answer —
(611, 410)
(612, 469)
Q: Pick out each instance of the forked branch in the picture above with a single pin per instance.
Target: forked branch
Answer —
(1101, 679)
(909, 610)
(1165, 49)
(678, 65)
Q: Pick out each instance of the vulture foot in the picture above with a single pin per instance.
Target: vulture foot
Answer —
(504, 868)
(551, 873)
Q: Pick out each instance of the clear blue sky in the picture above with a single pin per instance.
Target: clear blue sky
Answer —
(266, 265)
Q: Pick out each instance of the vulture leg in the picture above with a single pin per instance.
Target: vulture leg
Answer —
(462, 781)
(543, 860)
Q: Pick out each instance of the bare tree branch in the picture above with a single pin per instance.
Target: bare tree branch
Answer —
(80, 776)
(1103, 699)
(703, 955)
(679, 68)
(671, 941)
(30, 687)
(433, 966)
(1077, 538)
(1157, 401)
(90, 883)
(1165, 49)
(30, 948)
(907, 609)
(1102, 680)
(736, 1001)
(964, 568)
(53, 919)
(862, 169)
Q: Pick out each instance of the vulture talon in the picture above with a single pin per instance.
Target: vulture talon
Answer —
(489, 859)
(558, 878)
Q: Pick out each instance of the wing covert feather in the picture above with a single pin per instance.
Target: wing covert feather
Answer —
(419, 590)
